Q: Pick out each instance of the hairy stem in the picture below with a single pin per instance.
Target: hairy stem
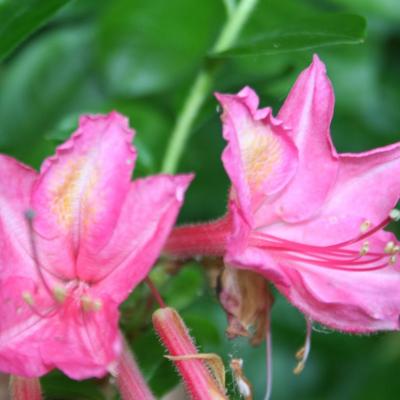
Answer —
(174, 335)
(25, 388)
(130, 381)
(206, 239)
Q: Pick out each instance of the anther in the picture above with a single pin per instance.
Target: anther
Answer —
(88, 304)
(364, 248)
(393, 259)
(389, 247)
(97, 304)
(365, 226)
(395, 214)
(59, 294)
(28, 298)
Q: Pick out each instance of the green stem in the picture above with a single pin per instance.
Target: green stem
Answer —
(201, 86)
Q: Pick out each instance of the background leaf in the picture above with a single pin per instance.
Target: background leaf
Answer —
(318, 31)
(19, 18)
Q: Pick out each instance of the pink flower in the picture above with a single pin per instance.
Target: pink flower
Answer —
(94, 237)
(308, 219)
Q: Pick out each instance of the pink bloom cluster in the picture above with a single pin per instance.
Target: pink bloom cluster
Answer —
(90, 237)
(308, 219)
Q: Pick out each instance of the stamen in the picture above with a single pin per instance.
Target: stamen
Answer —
(89, 304)
(303, 353)
(393, 259)
(60, 293)
(30, 215)
(28, 298)
(389, 247)
(364, 248)
(365, 226)
(97, 305)
(339, 256)
(395, 215)
(268, 347)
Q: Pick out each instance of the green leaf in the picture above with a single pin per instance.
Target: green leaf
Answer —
(58, 386)
(305, 34)
(46, 81)
(19, 18)
(150, 46)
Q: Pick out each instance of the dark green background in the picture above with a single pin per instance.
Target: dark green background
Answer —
(140, 58)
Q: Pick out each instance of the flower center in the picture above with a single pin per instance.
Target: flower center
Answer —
(345, 256)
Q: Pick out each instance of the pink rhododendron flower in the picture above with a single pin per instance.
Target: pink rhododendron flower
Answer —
(94, 236)
(308, 219)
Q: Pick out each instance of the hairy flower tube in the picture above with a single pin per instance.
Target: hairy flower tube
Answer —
(89, 237)
(193, 366)
(306, 218)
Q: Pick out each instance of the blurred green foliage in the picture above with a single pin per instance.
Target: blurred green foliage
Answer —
(140, 57)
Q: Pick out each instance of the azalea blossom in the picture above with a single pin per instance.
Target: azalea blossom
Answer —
(306, 218)
(89, 237)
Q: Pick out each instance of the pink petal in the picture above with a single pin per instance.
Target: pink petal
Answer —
(351, 301)
(146, 219)
(21, 330)
(308, 111)
(260, 158)
(352, 201)
(240, 255)
(348, 301)
(368, 184)
(81, 189)
(83, 344)
(16, 182)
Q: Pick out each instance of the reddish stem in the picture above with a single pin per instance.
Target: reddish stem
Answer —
(130, 381)
(175, 337)
(25, 388)
(206, 239)
(154, 291)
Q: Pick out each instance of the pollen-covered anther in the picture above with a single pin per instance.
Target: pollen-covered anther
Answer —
(60, 293)
(28, 298)
(389, 247)
(395, 214)
(365, 226)
(89, 304)
(393, 259)
(364, 248)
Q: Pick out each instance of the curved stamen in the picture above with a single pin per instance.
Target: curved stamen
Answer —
(335, 256)
(30, 215)
(303, 353)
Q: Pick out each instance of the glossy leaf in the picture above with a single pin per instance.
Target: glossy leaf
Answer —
(18, 19)
(319, 31)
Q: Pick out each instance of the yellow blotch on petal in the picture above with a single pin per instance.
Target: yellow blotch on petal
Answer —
(71, 195)
(261, 152)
